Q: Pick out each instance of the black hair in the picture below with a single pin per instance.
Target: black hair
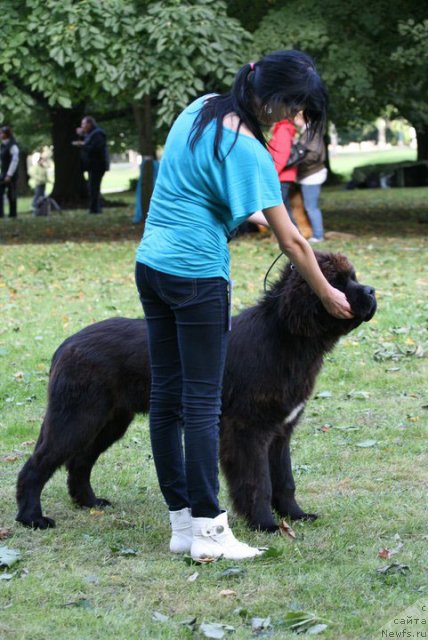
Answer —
(7, 130)
(91, 121)
(282, 79)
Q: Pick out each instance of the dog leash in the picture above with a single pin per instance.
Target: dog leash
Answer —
(265, 282)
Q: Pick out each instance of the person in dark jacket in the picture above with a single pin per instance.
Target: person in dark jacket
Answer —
(9, 160)
(311, 174)
(95, 158)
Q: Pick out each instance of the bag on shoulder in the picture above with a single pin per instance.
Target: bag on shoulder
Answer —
(297, 153)
(44, 206)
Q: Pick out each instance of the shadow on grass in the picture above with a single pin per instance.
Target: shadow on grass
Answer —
(112, 225)
(380, 212)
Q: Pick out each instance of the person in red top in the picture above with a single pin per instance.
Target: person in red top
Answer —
(280, 146)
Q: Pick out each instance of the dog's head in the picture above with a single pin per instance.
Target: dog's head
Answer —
(302, 311)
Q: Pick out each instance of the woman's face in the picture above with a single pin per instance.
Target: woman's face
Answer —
(269, 114)
(299, 120)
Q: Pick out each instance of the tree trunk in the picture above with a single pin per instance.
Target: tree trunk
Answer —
(422, 141)
(70, 189)
(143, 115)
(23, 188)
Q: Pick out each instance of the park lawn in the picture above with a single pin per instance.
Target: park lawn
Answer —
(118, 178)
(107, 575)
(343, 163)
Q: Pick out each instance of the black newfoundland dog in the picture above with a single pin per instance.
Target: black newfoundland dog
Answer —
(100, 378)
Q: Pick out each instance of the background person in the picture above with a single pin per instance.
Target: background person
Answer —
(311, 174)
(39, 177)
(9, 160)
(95, 158)
(215, 172)
(280, 144)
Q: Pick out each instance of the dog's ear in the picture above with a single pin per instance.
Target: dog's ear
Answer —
(299, 309)
(296, 305)
(335, 266)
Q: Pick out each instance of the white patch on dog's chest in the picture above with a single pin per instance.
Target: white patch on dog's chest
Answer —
(294, 414)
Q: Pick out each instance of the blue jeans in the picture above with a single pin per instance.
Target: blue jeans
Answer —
(311, 194)
(187, 321)
(285, 192)
(39, 192)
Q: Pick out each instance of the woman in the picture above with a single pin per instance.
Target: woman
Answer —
(215, 172)
(280, 144)
(311, 174)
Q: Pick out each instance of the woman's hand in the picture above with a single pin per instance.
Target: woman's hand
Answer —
(337, 305)
(301, 254)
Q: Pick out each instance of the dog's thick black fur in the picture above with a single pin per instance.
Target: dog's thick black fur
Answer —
(100, 378)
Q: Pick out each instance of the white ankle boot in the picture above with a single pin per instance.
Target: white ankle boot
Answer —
(212, 538)
(181, 524)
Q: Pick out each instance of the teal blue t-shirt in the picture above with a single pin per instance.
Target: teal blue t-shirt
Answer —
(198, 201)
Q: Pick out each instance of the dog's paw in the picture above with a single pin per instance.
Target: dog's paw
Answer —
(40, 522)
(307, 517)
(102, 502)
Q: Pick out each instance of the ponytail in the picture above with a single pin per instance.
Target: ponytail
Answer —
(282, 82)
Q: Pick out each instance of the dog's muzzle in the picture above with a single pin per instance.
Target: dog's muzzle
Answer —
(362, 299)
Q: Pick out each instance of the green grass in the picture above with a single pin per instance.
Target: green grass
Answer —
(344, 163)
(118, 178)
(61, 273)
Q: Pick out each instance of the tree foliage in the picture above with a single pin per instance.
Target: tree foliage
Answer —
(113, 55)
(410, 59)
(70, 53)
(370, 54)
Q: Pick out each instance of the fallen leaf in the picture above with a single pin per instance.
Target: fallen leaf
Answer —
(10, 459)
(189, 622)
(227, 592)
(233, 571)
(9, 557)
(286, 530)
(366, 443)
(316, 629)
(302, 621)
(259, 624)
(5, 533)
(358, 395)
(395, 567)
(387, 554)
(325, 428)
(96, 512)
(215, 629)
(7, 576)
(159, 617)
(193, 577)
